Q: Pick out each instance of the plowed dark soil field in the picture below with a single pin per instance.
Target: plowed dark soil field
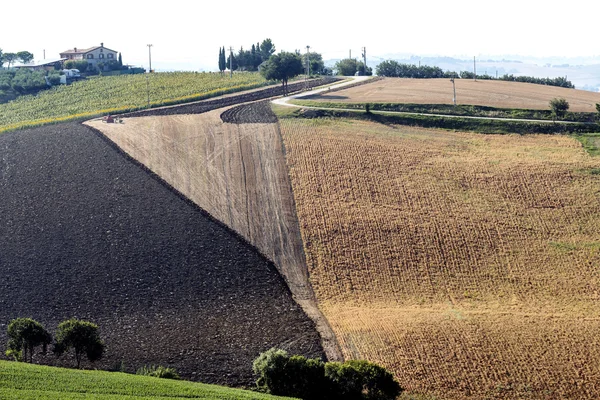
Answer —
(85, 231)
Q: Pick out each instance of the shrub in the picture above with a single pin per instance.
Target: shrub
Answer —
(158, 371)
(359, 379)
(559, 107)
(311, 379)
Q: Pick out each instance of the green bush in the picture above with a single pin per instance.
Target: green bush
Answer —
(311, 379)
(359, 379)
(158, 371)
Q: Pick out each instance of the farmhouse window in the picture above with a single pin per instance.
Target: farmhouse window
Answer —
(101, 56)
(109, 55)
(90, 56)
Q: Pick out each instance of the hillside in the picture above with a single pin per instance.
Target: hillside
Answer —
(238, 155)
(485, 93)
(20, 381)
(89, 233)
(465, 263)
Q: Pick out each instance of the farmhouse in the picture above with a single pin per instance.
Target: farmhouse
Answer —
(93, 55)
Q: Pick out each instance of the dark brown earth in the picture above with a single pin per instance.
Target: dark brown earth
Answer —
(250, 113)
(86, 231)
(232, 99)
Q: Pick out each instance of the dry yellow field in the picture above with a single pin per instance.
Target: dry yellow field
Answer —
(485, 93)
(465, 263)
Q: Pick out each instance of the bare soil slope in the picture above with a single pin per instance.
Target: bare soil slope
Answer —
(88, 232)
(484, 93)
(237, 173)
(465, 263)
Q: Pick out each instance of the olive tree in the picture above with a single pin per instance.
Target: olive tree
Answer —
(24, 335)
(82, 337)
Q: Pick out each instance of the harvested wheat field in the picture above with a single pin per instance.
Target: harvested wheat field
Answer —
(236, 171)
(467, 264)
(485, 93)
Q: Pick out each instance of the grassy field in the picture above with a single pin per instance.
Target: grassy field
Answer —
(106, 95)
(20, 381)
(514, 95)
(465, 263)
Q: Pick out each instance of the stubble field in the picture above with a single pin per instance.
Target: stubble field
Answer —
(465, 263)
(485, 93)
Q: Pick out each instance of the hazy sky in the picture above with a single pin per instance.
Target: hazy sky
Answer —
(189, 33)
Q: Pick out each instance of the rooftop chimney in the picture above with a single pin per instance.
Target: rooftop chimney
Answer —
(75, 49)
(101, 44)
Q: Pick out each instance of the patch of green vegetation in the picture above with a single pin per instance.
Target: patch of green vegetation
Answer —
(590, 142)
(20, 381)
(448, 109)
(486, 126)
(566, 247)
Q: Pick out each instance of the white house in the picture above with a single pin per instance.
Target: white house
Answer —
(93, 55)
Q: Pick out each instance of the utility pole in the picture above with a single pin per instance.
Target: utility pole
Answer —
(474, 69)
(150, 57)
(350, 55)
(231, 61)
(454, 90)
(364, 54)
(44, 54)
(307, 66)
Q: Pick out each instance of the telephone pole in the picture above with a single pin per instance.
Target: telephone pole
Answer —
(150, 58)
(474, 69)
(307, 66)
(231, 61)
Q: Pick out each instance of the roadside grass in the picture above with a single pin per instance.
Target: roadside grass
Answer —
(591, 143)
(21, 381)
(486, 126)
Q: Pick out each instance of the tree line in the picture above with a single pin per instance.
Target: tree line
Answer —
(391, 68)
(10, 58)
(25, 334)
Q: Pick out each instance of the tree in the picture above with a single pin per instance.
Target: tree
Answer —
(281, 67)
(232, 66)
(25, 56)
(598, 109)
(559, 107)
(80, 65)
(82, 336)
(24, 335)
(317, 66)
(363, 70)
(346, 67)
(222, 62)
(10, 58)
(267, 49)
(1, 59)
(120, 61)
